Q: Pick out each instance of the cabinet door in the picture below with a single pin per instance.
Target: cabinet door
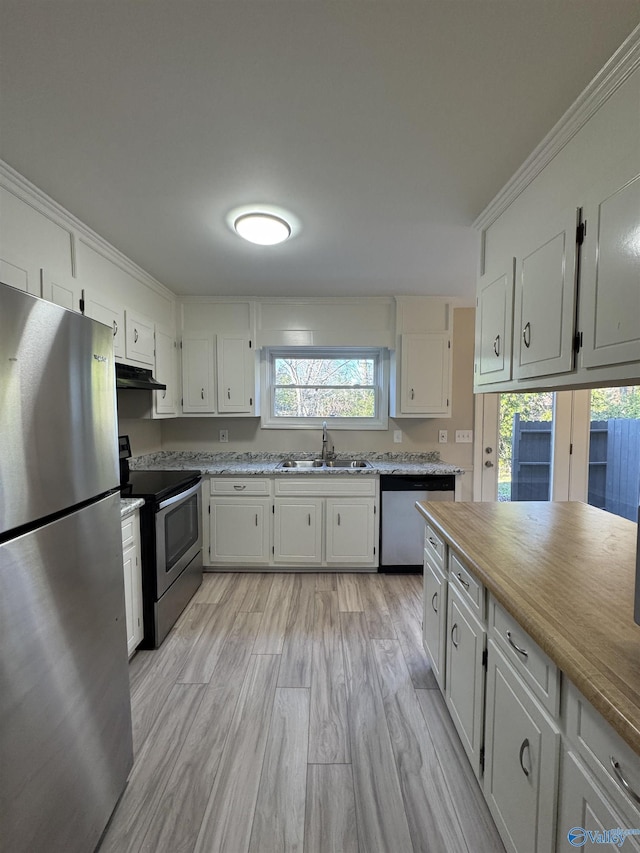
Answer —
(494, 327)
(236, 374)
(546, 301)
(521, 766)
(298, 530)
(425, 366)
(198, 389)
(610, 277)
(139, 338)
(464, 690)
(61, 290)
(239, 530)
(132, 581)
(434, 620)
(96, 308)
(350, 530)
(19, 274)
(165, 371)
(584, 812)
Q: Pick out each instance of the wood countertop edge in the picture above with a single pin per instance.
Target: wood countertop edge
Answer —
(621, 713)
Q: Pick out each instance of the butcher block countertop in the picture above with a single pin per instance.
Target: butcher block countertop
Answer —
(566, 572)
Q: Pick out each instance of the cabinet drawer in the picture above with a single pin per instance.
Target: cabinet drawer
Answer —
(527, 658)
(240, 486)
(434, 547)
(600, 746)
(327, 484)
(472, 590)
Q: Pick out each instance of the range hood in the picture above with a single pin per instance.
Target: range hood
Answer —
(136, 378)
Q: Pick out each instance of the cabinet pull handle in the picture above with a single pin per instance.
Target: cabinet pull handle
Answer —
(135, 336)
(496, 345)
(256, 519)
(228, 393)
(454, 628)
(464, 583)
(434, 599)
(239, 487)
(523, 652)
(164, 395)
(524, 745)
(338, 519)
(433, 543)
(115, 328)
(412, 394)
(309, 519)
(526, 335)
(620, 777)
(202, 393)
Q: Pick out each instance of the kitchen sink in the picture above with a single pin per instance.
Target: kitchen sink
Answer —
(300, 463)
(319, 463)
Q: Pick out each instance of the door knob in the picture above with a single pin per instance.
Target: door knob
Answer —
(488, 450)
(488, 464)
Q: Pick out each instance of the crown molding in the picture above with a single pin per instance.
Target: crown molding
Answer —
(621, 65)
(44, 204)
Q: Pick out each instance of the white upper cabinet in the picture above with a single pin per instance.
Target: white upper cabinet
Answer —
(139, 338)
(610, 292)
(166, 372)
(198, 375)
(494, 326)
(545, 301)
(17, 274)
(236, 374)
(425, 373)
(99, 308)
(62, 290)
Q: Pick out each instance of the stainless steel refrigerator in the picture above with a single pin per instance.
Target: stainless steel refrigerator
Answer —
(65, 715)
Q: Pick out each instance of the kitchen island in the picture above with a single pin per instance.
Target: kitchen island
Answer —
(528, 619)
(566, 572)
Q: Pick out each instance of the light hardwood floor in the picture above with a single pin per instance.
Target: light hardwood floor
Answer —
(296, 712)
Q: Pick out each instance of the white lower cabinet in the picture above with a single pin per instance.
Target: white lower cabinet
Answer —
(297, 535)
(293, 522)
(464, 683)
(350, 530)
(521, 760)
(585, 813)
(434, 618)
(240, 530)
(132, 580)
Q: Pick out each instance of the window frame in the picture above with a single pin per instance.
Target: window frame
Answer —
(380, 421)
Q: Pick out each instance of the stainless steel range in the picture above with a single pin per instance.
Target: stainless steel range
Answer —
(171, 534)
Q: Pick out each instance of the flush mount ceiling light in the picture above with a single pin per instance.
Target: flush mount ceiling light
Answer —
(262, 228)
(263, 224)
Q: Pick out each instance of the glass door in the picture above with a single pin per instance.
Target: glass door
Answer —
(526, 428)
(614, 450)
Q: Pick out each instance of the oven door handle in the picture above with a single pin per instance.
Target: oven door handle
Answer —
(176, 498)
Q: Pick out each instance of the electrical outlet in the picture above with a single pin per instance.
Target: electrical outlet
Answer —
(224, 435)
(397, 436)
(443, 436)
(464, 436)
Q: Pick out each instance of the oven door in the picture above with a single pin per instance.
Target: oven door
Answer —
(178, 536)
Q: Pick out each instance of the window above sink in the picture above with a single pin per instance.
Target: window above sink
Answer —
(345, 386)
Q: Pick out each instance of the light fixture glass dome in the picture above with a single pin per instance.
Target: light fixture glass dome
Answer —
(265, 229)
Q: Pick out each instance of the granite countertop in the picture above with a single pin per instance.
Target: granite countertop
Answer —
(566, 572)
(265, 463)
(129, 506)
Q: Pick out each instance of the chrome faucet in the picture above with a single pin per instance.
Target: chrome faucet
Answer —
(325, 440)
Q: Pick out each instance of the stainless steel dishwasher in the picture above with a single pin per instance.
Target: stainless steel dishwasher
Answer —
(401, 526)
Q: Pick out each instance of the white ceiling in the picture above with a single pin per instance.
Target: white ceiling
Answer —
(385, 126)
